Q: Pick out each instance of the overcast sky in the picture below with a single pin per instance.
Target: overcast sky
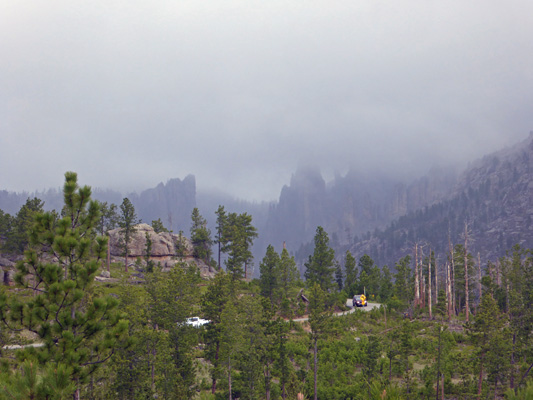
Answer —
(131, 93)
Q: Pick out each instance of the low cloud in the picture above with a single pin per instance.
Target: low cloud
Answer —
(239, 93)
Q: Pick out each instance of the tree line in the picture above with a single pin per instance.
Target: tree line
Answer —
(452, 329)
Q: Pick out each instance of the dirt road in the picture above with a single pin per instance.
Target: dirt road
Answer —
(351, 310)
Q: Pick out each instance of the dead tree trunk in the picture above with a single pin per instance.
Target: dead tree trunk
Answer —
(417, 279)
(452, 273)
(108, 253)
(436, 282)
(429, 285)
(449, 290)
(479, 288)
(467, 294)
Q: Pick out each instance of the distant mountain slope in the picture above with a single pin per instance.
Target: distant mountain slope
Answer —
(494, 195)
(347, 207)
(173, 202)
(361, 212)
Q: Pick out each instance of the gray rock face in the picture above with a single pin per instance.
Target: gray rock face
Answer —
(164, 252)
(7, 270)
(173, 202)
(105, 274)
(164, 244)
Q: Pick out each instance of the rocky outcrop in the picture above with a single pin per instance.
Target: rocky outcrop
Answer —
(299, 211)
(173, 202)
(347, 207)
(7, 270)
(167, 249)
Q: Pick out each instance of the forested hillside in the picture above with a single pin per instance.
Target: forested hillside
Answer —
(75, 326)
(493, 197)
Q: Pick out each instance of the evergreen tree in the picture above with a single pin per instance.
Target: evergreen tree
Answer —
(386, 287)
(320, 267)
(319, 321)
(181, 246)
(440, 307)
(269, 270)
(108, 218)
(127, 223)
(255, 347)
(288, 273)
(213, 303)
(339, 278)
(231, 334)
(351, 273)
(516, 295)
(369, 277)
(148, 253)
(172, 297)
(239, 238)
(488, 334)
(372, 353)
(221, 239)
(36, 382)
(200, 237)
(158, 226)
(6, 222)
(78, 329)
(403, 280)
(282, 361)
(18, 235)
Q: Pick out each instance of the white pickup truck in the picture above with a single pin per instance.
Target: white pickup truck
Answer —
(196, 322)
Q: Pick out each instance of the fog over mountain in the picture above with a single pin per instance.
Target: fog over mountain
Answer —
(242, 93)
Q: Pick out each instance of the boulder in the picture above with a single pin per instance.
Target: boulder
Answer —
(165, 251)
(105, 274)
(7, 270)
(164, 244)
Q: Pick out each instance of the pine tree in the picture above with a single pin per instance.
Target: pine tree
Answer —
(201, 237)
(158, 226)
(108, 220)
(18, 235)
(369, 277)
(386, 286)
(171, 299)
(221, 239)
(488, 334)
(288, 273)
(269, 274)
(239, 236)
(339, 278)
(320, 267)
(351, 273)
(213, 303)
(127, 223)
(319, 322)
(78, 329)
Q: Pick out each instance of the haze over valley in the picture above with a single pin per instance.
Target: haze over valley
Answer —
(363, 212)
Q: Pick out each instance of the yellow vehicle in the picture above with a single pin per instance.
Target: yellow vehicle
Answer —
(359, 300)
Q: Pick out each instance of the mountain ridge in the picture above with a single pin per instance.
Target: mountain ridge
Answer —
(377, 215)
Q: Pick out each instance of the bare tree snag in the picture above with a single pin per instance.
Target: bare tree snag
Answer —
(417, 279)
(467, 294)
(436, 282)
(479, 278)
(429, 285)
